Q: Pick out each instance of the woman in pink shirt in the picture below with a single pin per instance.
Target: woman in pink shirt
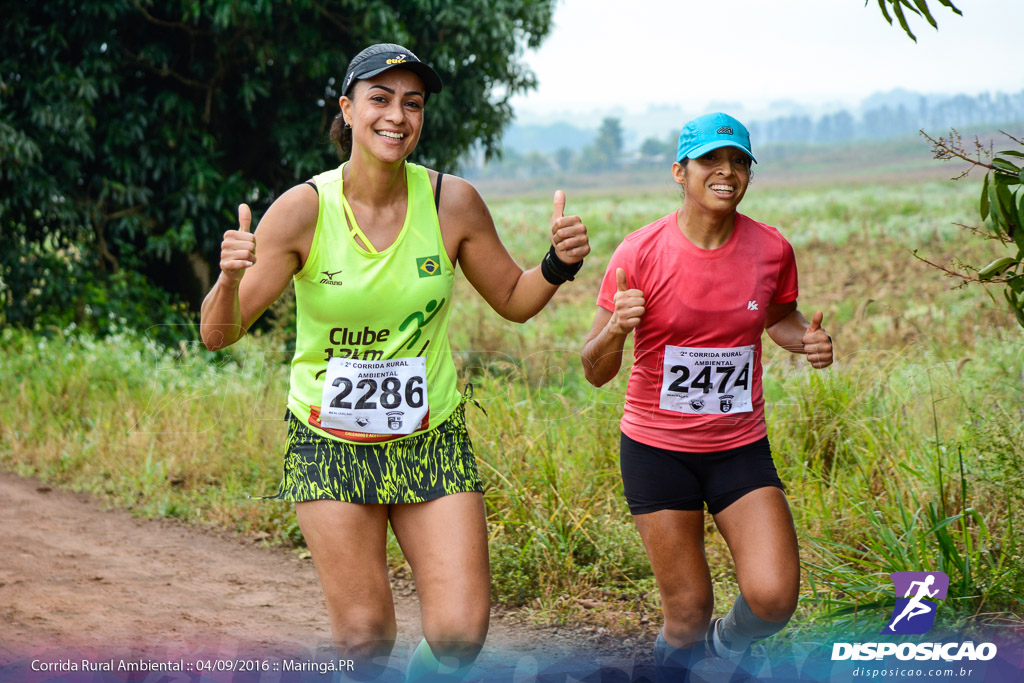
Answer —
(697, 288)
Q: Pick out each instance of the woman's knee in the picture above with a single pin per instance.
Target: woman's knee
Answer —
(363, 633)
(457, 635)
(774, 604)
(455, 653)
(687, 618)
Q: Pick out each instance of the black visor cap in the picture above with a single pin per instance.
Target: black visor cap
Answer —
(377, 59)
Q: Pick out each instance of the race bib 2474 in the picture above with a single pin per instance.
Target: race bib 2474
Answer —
(700, 381)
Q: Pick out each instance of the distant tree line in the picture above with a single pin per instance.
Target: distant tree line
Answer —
(603, 153)
(607, 152)
(886, 122)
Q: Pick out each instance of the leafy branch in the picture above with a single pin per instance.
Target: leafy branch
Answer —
(1000, 207)
(918, 7)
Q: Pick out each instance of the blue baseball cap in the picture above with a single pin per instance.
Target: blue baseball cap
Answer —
(712, 131)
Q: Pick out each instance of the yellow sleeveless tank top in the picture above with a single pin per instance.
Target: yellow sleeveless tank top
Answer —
(373, 306)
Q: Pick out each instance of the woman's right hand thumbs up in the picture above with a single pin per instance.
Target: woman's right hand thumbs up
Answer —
(629, 305)
(238, 248)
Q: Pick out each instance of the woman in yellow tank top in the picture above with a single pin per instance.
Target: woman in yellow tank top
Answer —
(376, 431)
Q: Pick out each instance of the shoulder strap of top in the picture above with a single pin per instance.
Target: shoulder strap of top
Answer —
(354, 227)
(437, 191)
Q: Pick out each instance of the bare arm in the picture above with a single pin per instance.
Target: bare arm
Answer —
(788, 328)
(602, 352)
(515, 294)
(235, 302)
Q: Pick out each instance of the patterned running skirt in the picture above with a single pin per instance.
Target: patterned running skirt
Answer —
(415, 469)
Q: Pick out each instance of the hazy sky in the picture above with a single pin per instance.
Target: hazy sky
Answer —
(630, 54)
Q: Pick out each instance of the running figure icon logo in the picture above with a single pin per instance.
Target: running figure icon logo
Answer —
(914, 613)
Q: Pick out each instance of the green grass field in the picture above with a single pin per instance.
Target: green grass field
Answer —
(907, 454)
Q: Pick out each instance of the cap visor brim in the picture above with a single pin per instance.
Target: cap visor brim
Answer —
(430, 78)
(715, 144)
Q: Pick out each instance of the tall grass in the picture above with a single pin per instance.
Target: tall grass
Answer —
(893, 480)
(906, 455)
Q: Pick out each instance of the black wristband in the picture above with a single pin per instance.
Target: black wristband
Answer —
(555, 270)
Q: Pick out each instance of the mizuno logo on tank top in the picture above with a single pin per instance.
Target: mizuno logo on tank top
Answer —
(329, 280)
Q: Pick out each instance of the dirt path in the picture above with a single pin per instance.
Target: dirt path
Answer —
(76, 577)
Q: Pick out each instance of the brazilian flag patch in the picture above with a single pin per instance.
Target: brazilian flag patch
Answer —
(428, 266)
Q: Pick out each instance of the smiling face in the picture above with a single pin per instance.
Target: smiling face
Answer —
(386, 115)
(715, 181)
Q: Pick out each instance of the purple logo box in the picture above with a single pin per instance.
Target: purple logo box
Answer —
(914, 612)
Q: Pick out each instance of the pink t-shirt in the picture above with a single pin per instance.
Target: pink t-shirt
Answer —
(700, 299)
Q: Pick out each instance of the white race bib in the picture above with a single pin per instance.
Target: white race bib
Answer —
(700, 381)
(376, 397)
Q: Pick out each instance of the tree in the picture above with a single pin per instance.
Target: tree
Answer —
(1002, 201)
(919, 7)
(563, 158)
(130, 130)
(1001, 204)
(658, 149)
(538, 163)
(609, 139)
(606, 149)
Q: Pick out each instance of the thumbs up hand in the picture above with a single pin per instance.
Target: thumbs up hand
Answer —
(238, 248)
(817, 344)
(629, 305)
(568, 233)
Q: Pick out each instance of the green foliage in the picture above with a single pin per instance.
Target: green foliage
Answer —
(563, 158)
(61, 291)
(1004, 207)
(919, 7)
(605, 151)
(907, 501)
(130, 130)
(659, 150)
(1001, 207)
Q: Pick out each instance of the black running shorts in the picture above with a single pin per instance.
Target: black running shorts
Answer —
(659, 479)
